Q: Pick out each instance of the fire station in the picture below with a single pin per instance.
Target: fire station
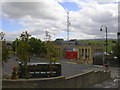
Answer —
(74, 49)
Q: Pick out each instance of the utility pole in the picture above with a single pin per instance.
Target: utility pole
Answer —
(68, 24)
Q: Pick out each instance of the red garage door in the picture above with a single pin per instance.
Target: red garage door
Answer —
(71, 55)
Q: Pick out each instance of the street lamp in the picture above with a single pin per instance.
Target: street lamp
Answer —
(2, 35)
(101, 29)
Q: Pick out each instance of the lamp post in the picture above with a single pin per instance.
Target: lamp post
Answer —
(101, 29)
(2, 35)
(103, 52)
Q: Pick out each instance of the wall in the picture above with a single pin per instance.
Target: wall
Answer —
(77, 81)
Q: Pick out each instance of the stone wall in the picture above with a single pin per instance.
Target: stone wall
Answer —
(77, 81)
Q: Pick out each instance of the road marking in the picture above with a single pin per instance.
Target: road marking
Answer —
(87, 70)
(71, 62)
(97, 65)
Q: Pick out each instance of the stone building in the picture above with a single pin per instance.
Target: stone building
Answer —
(85, 51)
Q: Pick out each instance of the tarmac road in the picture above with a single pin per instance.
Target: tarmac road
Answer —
(68, 69)
(7, 67)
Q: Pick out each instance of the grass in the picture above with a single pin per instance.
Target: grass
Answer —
(111, 43)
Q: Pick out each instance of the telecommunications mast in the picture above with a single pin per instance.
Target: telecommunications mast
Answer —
(68, 24)
(47, 36)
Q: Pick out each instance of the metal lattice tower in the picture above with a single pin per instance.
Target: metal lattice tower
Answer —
(47, 36)
(68, 24)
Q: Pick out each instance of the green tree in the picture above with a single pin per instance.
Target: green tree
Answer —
(5, 52)
(23, 50)
(51, 55)
(51, 51)
(14, 45)
(116, 51)
(38, 48)
(4, 49)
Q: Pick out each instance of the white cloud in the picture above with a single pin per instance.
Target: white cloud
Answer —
(51, 16)
(93, 15)
(34, 10)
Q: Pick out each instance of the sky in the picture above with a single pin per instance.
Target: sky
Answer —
(38, 16)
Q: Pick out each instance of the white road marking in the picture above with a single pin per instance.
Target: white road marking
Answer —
(71, 62)
(98, 66)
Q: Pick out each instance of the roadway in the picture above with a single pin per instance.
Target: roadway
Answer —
(70, 69)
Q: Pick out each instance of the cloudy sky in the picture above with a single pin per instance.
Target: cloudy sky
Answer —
(38, 16)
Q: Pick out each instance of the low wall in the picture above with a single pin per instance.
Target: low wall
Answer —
(86, 79)
(77, 81)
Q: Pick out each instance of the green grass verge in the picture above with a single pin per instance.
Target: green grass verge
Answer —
(111, 43)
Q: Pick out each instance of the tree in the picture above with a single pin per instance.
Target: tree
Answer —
(116, 51)
(5, 48)
(5, 52)
(52, 55)
(14, 45)
(51, 52)
(23, 50)
(37, 47)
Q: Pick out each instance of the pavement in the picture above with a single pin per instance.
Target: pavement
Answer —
(114, 82)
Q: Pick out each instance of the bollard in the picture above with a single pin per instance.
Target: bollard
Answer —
(106, 67)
